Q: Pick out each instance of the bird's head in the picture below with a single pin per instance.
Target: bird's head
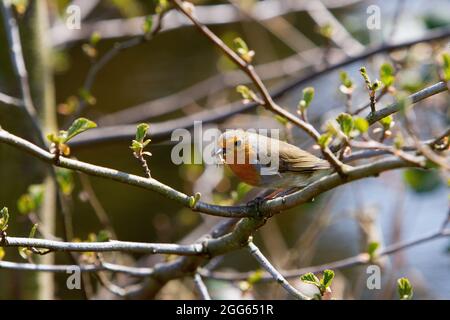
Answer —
(233, 145)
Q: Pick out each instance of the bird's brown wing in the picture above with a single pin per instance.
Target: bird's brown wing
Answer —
(295, 159)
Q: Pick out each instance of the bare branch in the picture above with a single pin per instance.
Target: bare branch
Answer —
(360, 259)
(163, 129)
(113, 245)
(12, 32)
(412, 99)
(341, 37)
(201, 287)
(6, 99)
(276, 205)
(208, 14)
(278, 277)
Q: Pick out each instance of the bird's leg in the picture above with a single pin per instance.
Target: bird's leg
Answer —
(281, 193)
(289, 191)
(273, 194)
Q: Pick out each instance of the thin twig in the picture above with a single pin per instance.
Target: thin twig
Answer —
(210, 14)
(6, 99)
(341, 37)
(360, 259)
(201, 287)
(95, 203)
(267, 100)
(18, 63)
(108, 56)
(163, 129)
(277, 276)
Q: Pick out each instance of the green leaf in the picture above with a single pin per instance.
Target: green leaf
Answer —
(146, 142)
(240, 44)
(405, 289)
(148, 24)
(136, 146)
(345, 79)
(325, 139)
(242, 49)
(372, 248)
(95, 38)
(310, 278)
(161, 5)
(376, 85)
(246, 93)
(422, 180)
(103, 236)
(361, 124)
(32, 200)
(387, 74)
(446, 66)
(387, 122)
(87, 96)
(141, 132)
(65, 180)
(326, 31)
(4, 219)
(256, 276)
(56, 138)
(242, 189)
(328, 276)
(24, 252)
(78, 126)
(308, 96)
(281, 119)
(33, 230)
(194, 199)
(365, 76)
(346, 123)
(399, 141)
(25, 204)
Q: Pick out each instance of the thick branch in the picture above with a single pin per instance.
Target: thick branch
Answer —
(269, 207)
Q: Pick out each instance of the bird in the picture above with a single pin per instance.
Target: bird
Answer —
(267, 162)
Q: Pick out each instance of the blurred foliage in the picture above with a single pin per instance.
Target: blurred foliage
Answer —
(433, 21)
(422, 180)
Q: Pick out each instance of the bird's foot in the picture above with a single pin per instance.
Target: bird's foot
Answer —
(256, 204)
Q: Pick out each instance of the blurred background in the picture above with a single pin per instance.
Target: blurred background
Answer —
(179, 74)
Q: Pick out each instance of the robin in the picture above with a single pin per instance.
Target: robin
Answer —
(269, 163)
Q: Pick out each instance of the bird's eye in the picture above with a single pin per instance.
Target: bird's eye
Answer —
(237, 143)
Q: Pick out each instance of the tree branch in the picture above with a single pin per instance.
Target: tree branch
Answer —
(113, 245)
(163, 129)
(6, 99)
(208, 14)
(360, 259)
(278, 277)
(267, 208)
(201, 287)
(412, 99)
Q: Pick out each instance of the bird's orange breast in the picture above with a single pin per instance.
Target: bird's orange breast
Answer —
(247, 173)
